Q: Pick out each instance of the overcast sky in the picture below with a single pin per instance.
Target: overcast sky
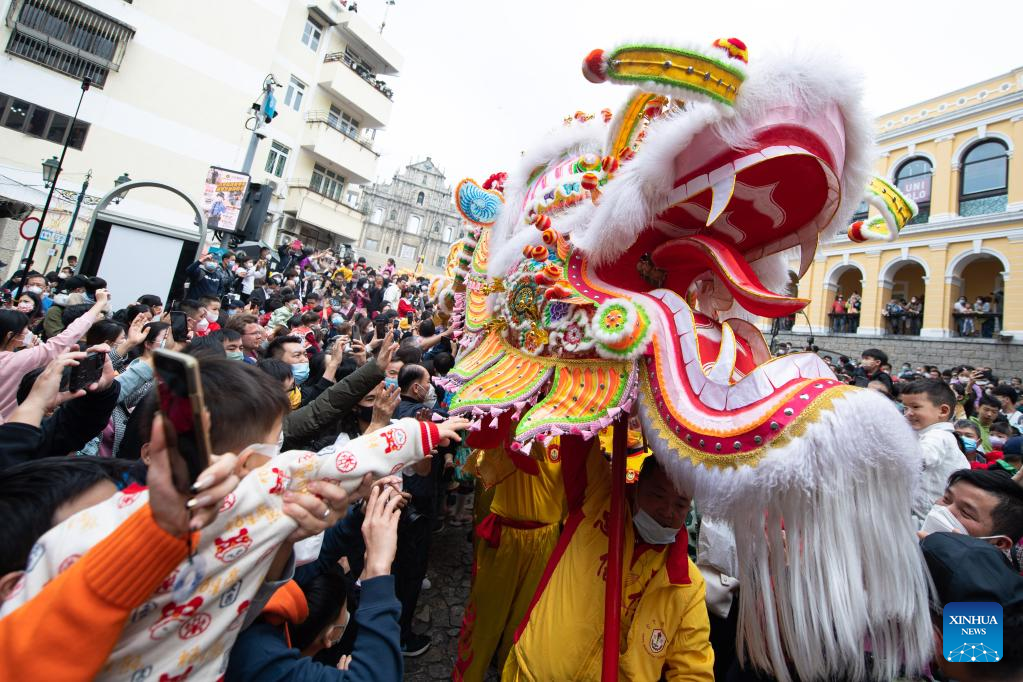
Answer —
(482, 80)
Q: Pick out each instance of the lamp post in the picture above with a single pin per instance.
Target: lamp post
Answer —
(74, 217)
(51, 173)
(122, 179)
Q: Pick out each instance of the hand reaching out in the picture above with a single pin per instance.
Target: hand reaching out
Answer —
(317, 509)
(449, 429)
(380, 531)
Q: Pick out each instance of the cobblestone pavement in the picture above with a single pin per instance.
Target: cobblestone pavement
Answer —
(441, 607)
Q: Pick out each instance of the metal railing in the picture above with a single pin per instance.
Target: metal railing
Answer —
(844, 323)
(67, 36)
(902, 323)
(361, 71)
(348, 131)
(976, 325)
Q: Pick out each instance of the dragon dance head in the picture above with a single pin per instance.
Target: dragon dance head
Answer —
(622, 266)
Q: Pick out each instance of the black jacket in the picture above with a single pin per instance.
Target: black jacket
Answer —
(67, 430)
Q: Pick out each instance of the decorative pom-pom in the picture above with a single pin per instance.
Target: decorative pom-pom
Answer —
(595, 67)
(735, 48)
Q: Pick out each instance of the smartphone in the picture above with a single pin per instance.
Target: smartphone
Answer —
(179, 326)
(179, 389)
(87, 372)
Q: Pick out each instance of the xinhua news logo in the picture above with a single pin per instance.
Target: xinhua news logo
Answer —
(972, 632)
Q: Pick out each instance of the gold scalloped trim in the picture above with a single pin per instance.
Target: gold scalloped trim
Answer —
(823, 402)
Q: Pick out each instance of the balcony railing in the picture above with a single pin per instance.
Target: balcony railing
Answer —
(348, 131)
(362, 72)
(844, 323)
(976, 325)
(902, 323)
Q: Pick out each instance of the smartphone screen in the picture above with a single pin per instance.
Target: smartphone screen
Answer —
(179, 326)
(87, 372)
(181, 404)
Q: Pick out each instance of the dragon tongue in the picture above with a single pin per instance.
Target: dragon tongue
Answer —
(725, 261)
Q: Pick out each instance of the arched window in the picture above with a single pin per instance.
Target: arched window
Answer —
(394, 214)
(448, 233)
(913, 178)
(861, 212)
(413, 224)
(378, 216)
(420, 198)
(983, 178)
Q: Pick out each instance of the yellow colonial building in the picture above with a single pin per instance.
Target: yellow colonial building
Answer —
(955, 155)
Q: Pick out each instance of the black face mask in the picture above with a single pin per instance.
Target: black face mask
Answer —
(364, 413)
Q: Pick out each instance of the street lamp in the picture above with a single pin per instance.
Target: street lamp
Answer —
(117, 183)
(51, 167)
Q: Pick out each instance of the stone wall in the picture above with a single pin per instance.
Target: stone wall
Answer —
(1005, 359)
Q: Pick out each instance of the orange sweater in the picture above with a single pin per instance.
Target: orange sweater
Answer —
(69, 629)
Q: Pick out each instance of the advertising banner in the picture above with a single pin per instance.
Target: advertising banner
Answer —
(222, 198)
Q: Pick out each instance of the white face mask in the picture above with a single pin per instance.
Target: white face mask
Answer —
(34, 290)
(202, 325)
(652, 532)
(941, 520)
(431, 397)
(1006, 552)
(213, 315)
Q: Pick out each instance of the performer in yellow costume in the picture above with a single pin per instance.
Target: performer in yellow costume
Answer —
(664, 618)
(514, 542)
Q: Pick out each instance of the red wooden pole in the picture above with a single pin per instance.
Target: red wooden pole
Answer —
(615, 548)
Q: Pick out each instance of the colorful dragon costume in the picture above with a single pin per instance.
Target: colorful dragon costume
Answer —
(623, 266)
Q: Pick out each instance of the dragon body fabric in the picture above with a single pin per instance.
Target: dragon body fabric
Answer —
(621, 268)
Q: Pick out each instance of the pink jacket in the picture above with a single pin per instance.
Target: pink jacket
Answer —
(13, 365)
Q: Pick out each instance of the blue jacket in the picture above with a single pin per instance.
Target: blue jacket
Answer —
(261, 655)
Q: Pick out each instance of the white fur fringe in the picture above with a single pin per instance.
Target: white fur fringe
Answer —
(847, 573)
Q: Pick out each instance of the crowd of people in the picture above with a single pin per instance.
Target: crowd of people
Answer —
(904, 317)
(301, 551)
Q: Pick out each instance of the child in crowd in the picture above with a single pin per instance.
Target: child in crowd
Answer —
(190, 622)
(928, 406)
(988, 409)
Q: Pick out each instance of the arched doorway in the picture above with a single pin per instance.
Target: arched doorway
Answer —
(978, 292)
(845, 282)
(903, 311)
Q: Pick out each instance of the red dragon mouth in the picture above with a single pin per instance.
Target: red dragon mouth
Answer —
(714, 383)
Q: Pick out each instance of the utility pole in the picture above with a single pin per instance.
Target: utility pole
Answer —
(387, 8)
(86, 82)
(74, 217)
(265, 110)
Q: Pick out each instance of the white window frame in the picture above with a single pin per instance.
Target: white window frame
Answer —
(407, 248)
(414, 224)
(312, 33)
(372, 245)
(448, 233)
(277, 159)
(327, 183)
(294, 94)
